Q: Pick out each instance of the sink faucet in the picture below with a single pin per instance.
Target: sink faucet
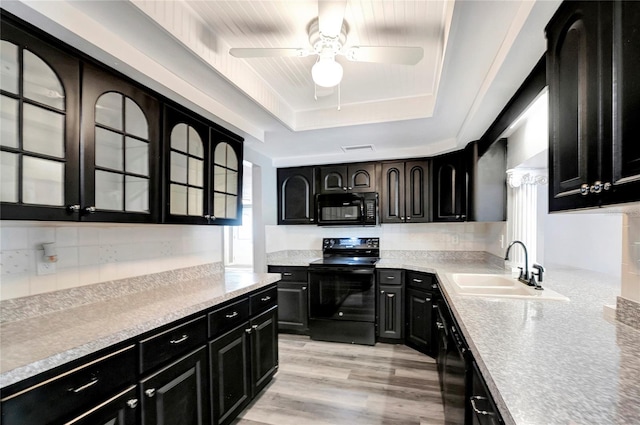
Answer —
(524, 276)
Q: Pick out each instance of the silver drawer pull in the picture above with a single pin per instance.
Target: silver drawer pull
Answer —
(417, 280)
(150, 392)
(427, 299)
(178, 341)
(264, 299)
(391, 277)
(391, 295)
(232, 315)
(287, 274)
(475, 409)
(91, 383)
(133, 403)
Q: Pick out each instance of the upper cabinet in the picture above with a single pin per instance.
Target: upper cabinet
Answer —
(593, 73)
(449, 187)
(405, 192)
(80, 142)
(296, 190)
(120, 139)
(39, 143)
(348, 178)
(202, 171)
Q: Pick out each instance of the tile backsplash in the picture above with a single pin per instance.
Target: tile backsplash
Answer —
(93, 253)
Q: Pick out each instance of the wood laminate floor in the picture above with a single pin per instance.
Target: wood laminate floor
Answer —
(325, 383)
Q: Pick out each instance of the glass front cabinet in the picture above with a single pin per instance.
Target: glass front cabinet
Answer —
(39, 104)
(203, 183)
(79, 142)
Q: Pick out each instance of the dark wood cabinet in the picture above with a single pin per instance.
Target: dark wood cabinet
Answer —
(593, 73)
(121, 150)
(422, 295)
(40, 143)
(449, 177)
(487, 184)
(230, 374)
(296, 191)
(405, 192)
(357, 177)
(203, 171)
(242, 360)
(482, 408)
(390, 305)
(293, 299)
(123, 409)
(178, 393)
(264, 349)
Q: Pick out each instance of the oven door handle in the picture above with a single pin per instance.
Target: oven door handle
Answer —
(348, 270)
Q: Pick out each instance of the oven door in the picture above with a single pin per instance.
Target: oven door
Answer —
(342, 293)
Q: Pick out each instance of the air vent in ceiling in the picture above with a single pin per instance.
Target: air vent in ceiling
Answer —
(358, 148)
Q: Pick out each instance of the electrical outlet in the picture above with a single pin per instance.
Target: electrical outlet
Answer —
(46, 268)
(455, 239)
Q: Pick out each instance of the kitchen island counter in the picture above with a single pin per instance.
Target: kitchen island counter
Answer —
(37, 344)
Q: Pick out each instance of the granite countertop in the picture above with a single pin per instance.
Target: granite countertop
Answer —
(545, 361)
(37, 344)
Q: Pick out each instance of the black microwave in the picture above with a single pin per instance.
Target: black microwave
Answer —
(347, 209)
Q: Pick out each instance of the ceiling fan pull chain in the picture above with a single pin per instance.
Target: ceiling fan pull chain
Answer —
(339, 96)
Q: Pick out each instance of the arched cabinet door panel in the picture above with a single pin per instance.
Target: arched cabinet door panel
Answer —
(449, 179)
(121, 141)
(39, 141)
(296, 192)
(347, 178)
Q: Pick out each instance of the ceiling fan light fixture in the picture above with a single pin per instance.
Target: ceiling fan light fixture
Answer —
(326, 72)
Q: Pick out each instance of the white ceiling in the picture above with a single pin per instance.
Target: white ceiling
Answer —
(477, 53)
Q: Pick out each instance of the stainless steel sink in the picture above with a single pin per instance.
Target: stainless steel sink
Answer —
(501, 286)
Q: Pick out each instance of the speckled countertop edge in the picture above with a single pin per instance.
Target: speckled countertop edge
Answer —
(577, 355)
(38, 344)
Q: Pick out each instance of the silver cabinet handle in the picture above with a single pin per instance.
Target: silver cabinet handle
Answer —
(232, 315)
(344, 187)
(150, 392)
(417, 280)
(287, 274)
(584, 189)
(90, 209)
(311, 219)
(350, 188)
(434, 286)
(248, 330)
(81, 388)
(598, 187)
(264, 299)
(181, 340)
(254, 327)
(73, 208)
(207, 216)
(133, 403)
(382, 292)
(439, 325)
(391, 277)
(427, 299)
(304, 288)
(391, 295)
(475, 408)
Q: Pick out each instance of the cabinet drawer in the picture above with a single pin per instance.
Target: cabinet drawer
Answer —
(264, 300)
(72, 392)
(290, 274)
(227, 318)
(164, 346)
(390, 277)
(424, 281)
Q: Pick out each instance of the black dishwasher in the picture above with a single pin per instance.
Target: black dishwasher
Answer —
(453, 366)
(483, 408)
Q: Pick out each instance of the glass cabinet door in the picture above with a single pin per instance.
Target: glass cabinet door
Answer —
(186, 152)
(227, 182)
(120, 135)
(38, 124)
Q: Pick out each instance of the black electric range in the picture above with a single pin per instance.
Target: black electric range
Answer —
(342, 291)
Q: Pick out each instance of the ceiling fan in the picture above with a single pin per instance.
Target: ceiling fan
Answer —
(328, 35)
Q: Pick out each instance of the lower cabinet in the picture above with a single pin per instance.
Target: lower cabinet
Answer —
(178, 393)
(422, 295)
(293, 307)
(123, 409)
(242, 361)
(390, 305)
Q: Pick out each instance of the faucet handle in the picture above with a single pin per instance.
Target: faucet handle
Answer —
(540, 271)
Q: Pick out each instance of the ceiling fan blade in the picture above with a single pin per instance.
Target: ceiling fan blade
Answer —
(260, 52)
(330, 16)
(399, 55)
